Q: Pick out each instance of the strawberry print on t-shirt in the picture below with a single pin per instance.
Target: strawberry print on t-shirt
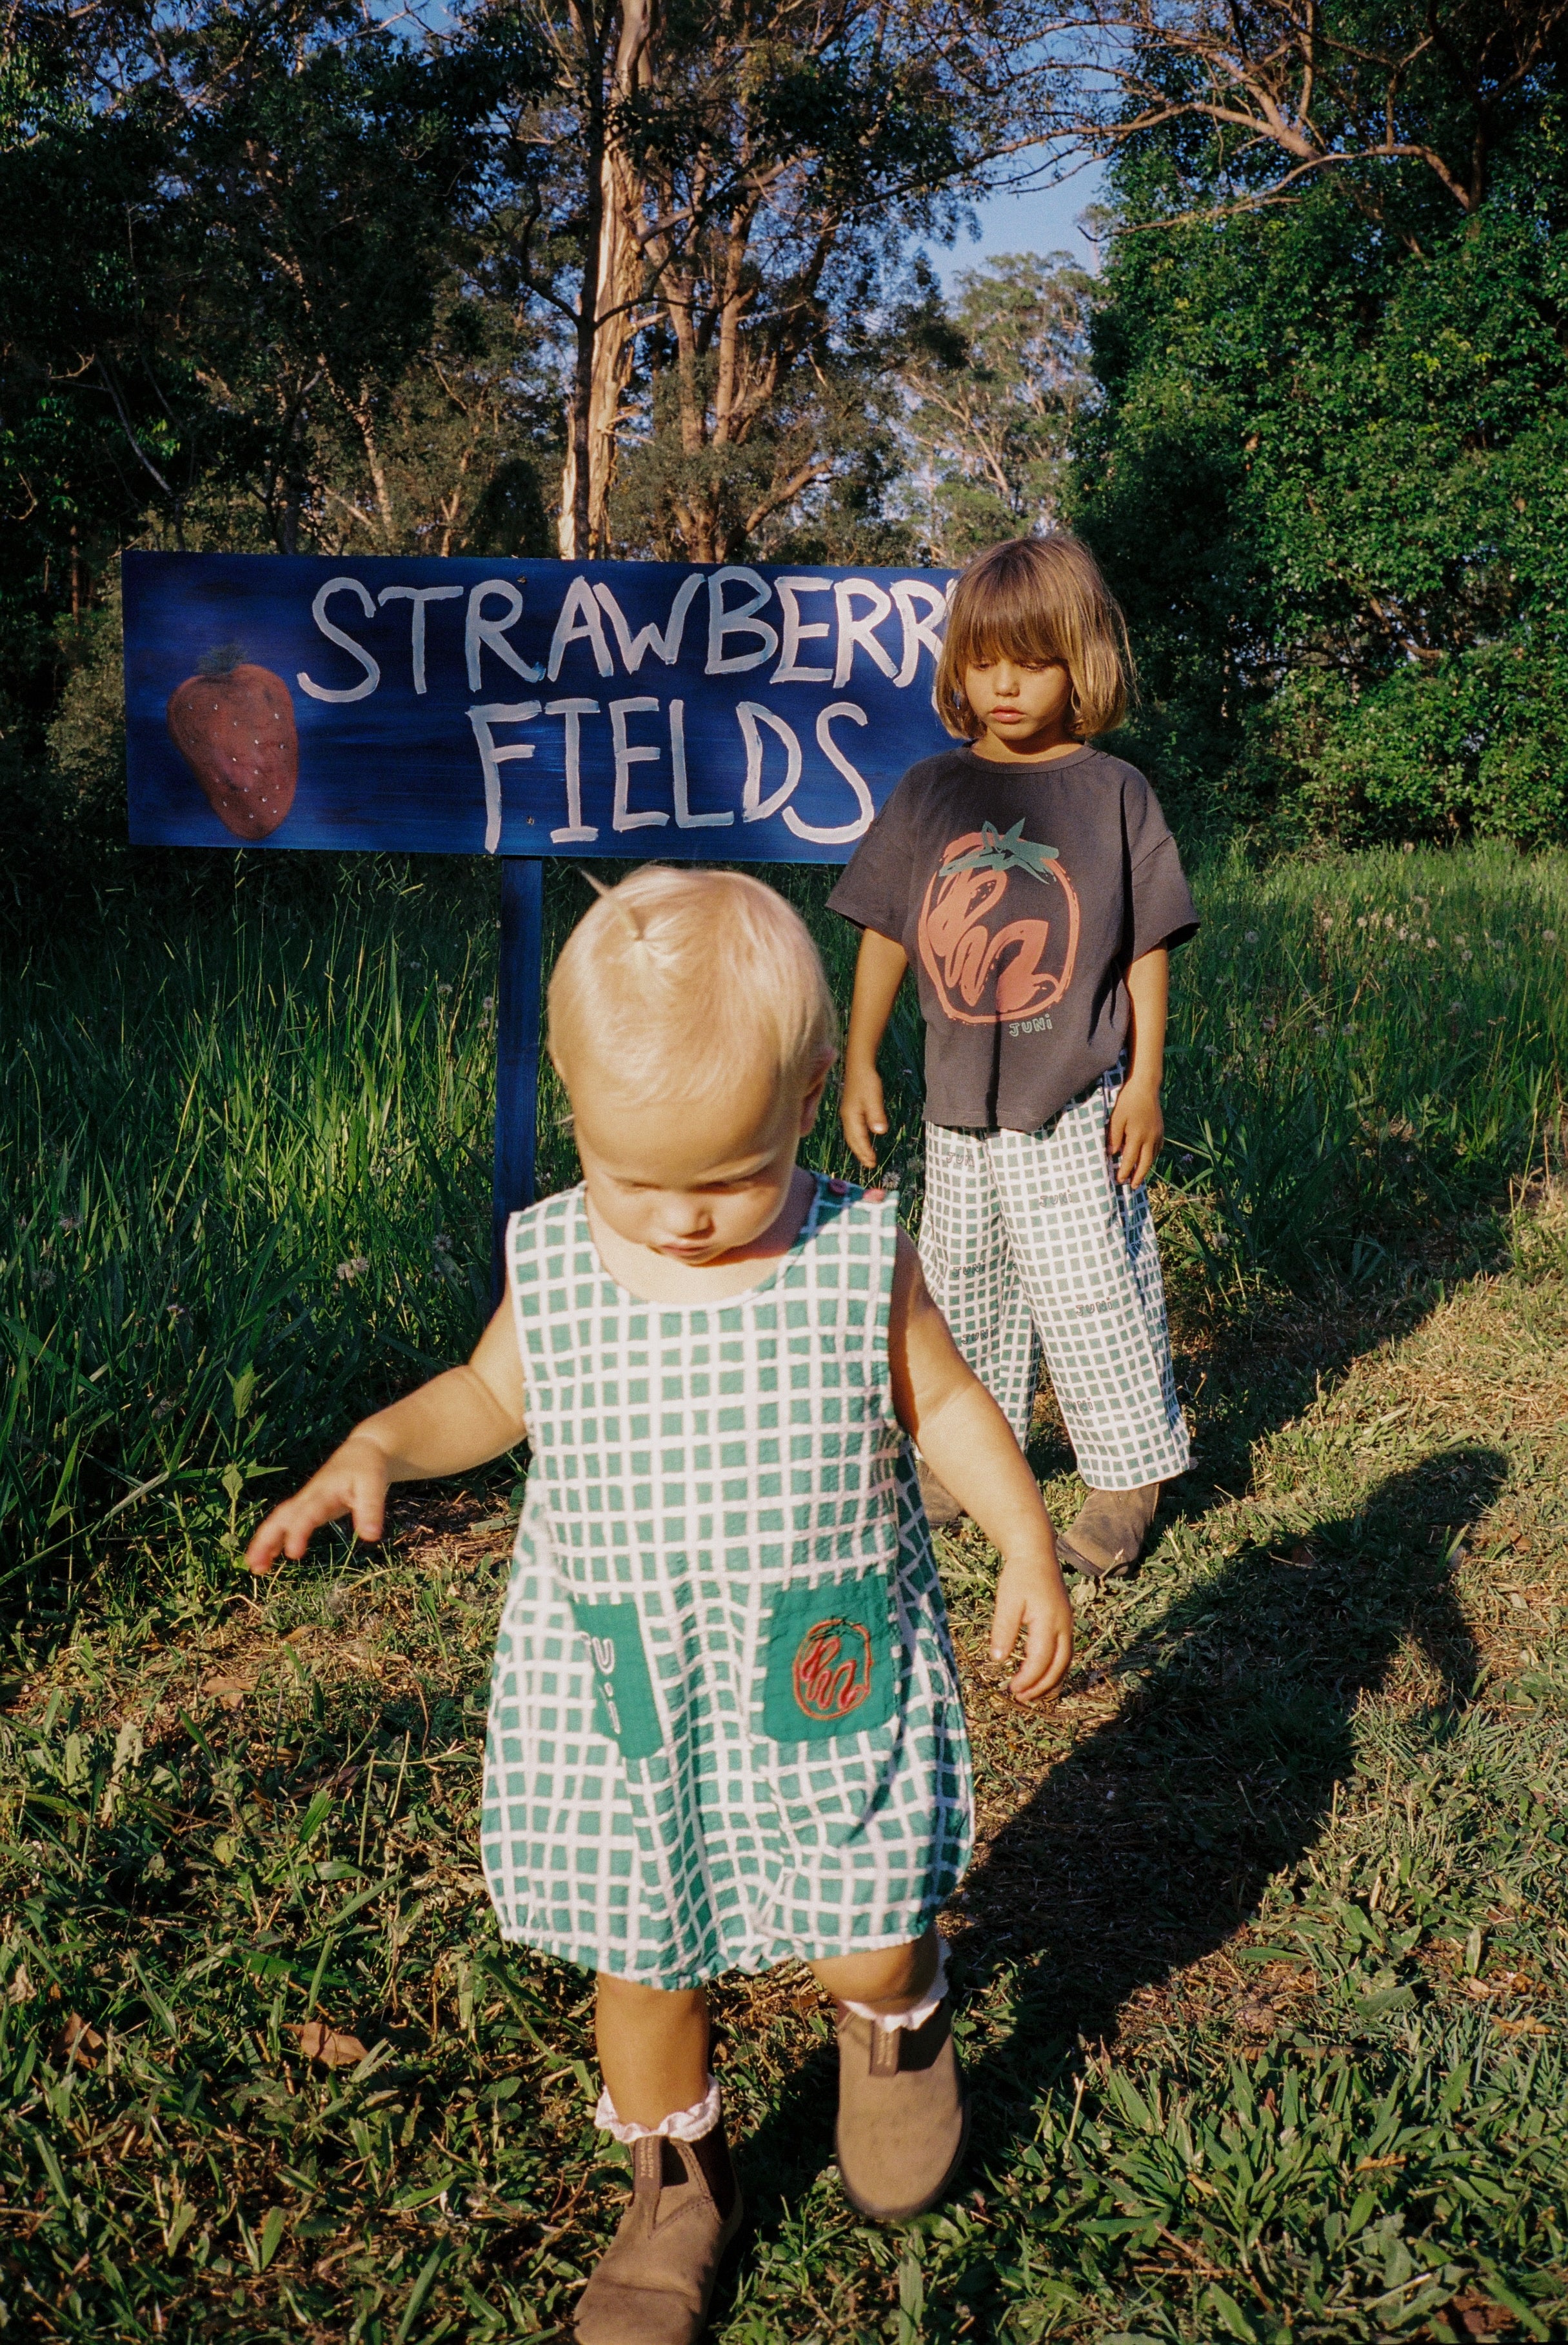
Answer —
(998, 927)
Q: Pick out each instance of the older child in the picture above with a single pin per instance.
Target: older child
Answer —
(724, 1726)
(1030, 882)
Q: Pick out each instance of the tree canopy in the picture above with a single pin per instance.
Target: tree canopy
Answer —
(651, 277)
(1329, 472)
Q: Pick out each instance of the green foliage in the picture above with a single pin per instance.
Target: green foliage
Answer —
(83, 793)
(996, 379)
(1325, 480)
(242, 310)
(813, 477)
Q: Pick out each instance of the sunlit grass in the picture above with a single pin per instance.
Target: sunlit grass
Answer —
(1260, 1965)
(247, 1147)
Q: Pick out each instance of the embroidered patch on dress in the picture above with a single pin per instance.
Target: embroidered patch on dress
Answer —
(832, 1673)
(830, 1660)
(623, 1704)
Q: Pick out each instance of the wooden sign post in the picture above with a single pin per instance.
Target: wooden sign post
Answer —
(519, 1004)
(524, 710)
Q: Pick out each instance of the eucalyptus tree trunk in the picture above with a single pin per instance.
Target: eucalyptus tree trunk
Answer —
(614, 282)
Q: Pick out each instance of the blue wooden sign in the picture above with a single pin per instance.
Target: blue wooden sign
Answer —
(523, 708)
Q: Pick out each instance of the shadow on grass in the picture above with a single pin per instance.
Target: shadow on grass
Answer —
(1155, 1839)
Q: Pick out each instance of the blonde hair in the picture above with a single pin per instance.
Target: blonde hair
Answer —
(1037, 599)
(678, 979)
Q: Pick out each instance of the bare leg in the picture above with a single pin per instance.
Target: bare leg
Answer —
(653, 2048)
(653, 2284)
(895, 1978)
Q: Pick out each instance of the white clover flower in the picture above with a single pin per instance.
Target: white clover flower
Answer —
(355, 1267)
(1251, 936)
(441, 1243)
(1548, 937)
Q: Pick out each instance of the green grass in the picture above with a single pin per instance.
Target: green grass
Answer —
(1262, 1955)
(211, 1112)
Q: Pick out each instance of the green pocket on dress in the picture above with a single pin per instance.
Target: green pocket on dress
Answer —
(830, 1660)
(623, 1704)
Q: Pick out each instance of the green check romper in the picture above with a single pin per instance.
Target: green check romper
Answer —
(725, 1721)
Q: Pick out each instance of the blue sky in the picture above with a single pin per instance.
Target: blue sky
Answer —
(1039, 219)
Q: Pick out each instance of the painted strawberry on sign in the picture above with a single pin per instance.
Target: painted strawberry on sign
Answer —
(233, 724)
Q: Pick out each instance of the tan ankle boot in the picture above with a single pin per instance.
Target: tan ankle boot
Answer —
(1109, 1532)
(903, 2117)
(653, 2283)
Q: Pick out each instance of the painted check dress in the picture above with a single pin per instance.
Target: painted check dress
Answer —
(725, 1721)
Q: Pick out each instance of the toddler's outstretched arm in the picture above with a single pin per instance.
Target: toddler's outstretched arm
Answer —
(457, 1420)
(969, 1446)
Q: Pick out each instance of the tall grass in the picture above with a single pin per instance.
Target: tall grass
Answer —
(246, 1141)
(247, 1160)
(1364, 1051)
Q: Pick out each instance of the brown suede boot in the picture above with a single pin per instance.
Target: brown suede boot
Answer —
(1108, 1534)
(903, 2114)
(654, 2280)
(941, 1508)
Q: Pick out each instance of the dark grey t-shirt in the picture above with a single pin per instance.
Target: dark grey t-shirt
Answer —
(1020, 894)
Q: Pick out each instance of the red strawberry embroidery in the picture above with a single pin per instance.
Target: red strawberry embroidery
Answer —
(233, 724)
(832, 1672)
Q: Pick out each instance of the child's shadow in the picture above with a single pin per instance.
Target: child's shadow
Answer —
(1155, 1837)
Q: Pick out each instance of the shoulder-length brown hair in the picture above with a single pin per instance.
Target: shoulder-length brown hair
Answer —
(1036, 599)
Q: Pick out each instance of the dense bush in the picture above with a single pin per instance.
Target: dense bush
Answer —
(1330, 476)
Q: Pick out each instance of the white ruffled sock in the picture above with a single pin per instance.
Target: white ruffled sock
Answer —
(921, 2011)
(681, 2125)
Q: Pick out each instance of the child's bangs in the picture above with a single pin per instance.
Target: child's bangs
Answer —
(1006, 630)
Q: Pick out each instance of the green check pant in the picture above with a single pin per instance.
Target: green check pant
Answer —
(1029, 1243)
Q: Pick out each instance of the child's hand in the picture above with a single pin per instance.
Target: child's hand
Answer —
(353, 1481)
(862, 1113)
(1134, 1133)
(1032, 1601)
